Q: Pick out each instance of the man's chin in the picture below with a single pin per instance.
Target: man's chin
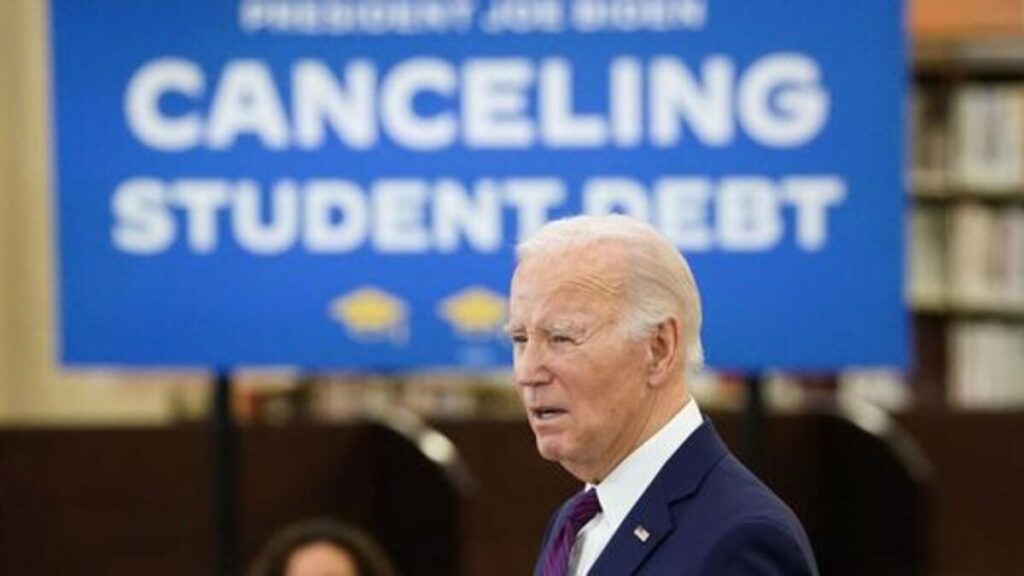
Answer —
(550, 450)
(558, 454)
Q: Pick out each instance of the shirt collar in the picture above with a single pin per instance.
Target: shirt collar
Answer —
(628, 481)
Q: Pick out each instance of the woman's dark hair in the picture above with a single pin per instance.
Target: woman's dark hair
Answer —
(369, 557)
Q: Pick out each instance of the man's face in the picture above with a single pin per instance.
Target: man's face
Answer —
(582, 381)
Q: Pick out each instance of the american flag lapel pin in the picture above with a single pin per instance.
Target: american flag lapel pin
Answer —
(641, 533)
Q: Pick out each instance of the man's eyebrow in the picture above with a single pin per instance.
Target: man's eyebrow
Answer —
(567, 326)
(555, 326)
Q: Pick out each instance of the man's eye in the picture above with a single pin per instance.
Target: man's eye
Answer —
(562, 339)
(519, 338)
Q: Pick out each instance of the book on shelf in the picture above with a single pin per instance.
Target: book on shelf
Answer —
(927, 262)
(1014, 221)
(986, 365)
(986, 256)
(928, 141)
(987, 130)
(970, 255)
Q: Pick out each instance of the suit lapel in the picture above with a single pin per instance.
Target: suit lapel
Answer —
(644, 527)
(650, 519)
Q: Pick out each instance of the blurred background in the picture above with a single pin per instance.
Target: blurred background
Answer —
(115, 471)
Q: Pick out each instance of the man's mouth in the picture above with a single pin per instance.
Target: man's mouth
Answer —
(547, 413)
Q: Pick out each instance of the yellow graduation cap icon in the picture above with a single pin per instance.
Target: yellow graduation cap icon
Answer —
(369, 312)
(474, 311)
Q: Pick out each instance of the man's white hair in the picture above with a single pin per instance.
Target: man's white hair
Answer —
(659, 281)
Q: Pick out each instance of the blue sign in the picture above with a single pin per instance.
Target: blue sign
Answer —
(341, 183)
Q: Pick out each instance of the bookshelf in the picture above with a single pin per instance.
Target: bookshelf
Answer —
(966, 223)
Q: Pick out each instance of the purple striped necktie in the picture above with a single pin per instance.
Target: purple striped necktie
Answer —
(582, 508)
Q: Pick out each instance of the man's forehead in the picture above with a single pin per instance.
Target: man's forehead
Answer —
(608, 287)
(569, 285)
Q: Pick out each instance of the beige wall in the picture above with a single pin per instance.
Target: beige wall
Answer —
(32, 388)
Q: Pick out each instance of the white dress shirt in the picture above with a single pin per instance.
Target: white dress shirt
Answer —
(622, 488)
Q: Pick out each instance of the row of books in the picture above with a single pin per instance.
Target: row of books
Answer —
(971, 139)
(986, 365)
(968, 256)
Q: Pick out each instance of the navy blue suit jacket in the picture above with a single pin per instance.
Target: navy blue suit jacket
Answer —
(705, 515)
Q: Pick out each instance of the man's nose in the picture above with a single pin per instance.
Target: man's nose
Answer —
(529, 366)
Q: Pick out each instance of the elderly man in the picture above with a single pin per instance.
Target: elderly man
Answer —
(605, 320)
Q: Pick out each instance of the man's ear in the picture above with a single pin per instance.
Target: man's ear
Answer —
(664, 348)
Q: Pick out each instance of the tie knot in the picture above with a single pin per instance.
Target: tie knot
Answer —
(583, 508)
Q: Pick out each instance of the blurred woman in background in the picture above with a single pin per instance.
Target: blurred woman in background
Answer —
(322, 547)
